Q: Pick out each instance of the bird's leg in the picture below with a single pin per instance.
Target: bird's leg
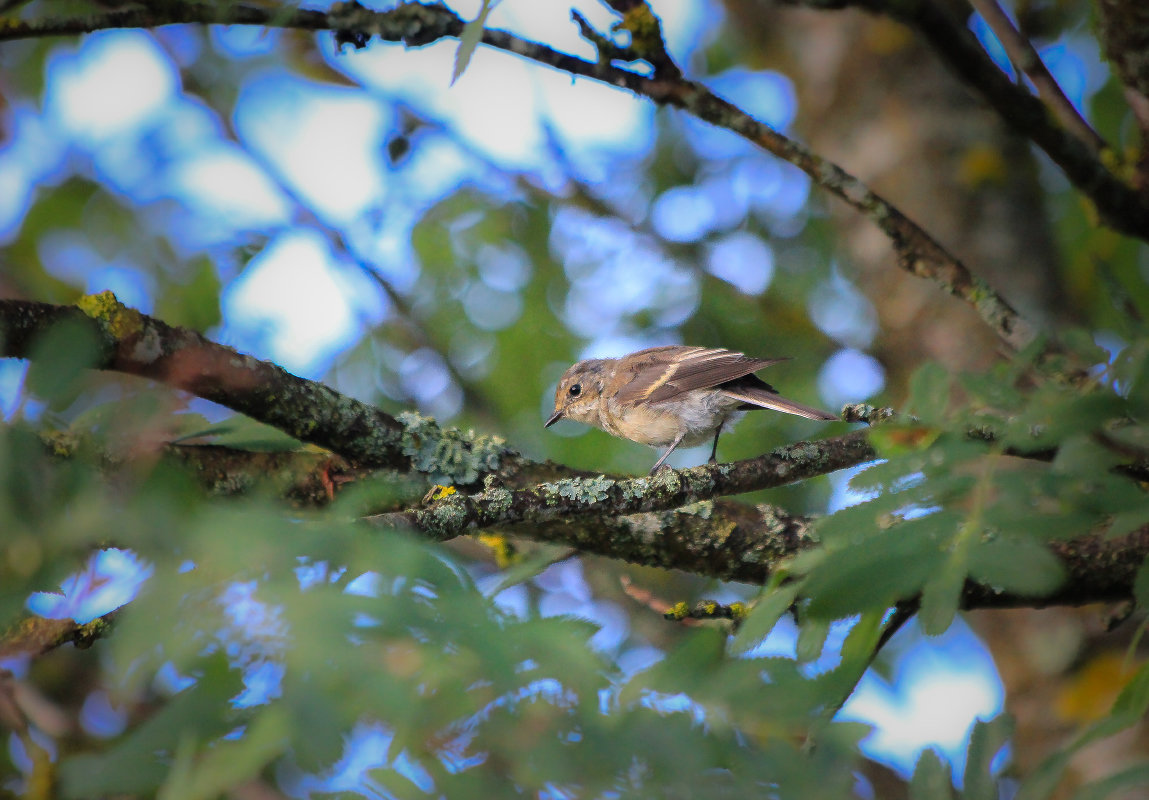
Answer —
(714, 449)
(669, 450)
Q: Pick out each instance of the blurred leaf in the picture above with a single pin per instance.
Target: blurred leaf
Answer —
(893, 440)
(880, 569)
(529, 567)
(1016, 565)
(942, 595)
(470, 38)
(1111, 785)
(986, 740)
(243, 433)
(930, 389)
(227, 764)
(60, 359)
(138, 762)
(194, 301)
(931, 779)
(763, 616)
(860, 643)
(812, 635)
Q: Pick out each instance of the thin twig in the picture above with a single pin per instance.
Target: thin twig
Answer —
(1026, 59)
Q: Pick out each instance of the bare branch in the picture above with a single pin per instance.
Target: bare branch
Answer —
(1025, 59)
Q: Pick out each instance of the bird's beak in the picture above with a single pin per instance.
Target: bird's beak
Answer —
(555, 417)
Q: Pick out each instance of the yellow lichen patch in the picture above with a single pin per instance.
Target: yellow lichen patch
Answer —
(1089, 695)
(438, 492)
(886, 37)
(982, 165)
(505, 553)
(645, 32)
(738, 611)
(678, 611)
(114, 317)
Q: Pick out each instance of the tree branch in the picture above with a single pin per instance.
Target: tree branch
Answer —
(454, 513)
(1026, 60)
(34, 636)
(1121, 206)
(415, 25)
(140, 345)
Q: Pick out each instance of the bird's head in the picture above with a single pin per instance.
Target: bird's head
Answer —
(578, 393)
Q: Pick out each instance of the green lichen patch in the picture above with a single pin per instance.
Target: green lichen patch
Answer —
(585, 490)
(449, 455)
(498, 500)
(445, 519)
(703, 509)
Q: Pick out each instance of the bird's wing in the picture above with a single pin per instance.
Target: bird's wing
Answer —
(663, 373)
(758, 397)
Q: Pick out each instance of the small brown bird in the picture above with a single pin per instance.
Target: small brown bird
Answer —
(667, 396)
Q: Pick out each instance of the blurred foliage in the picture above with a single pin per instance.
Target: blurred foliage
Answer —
(281, 645)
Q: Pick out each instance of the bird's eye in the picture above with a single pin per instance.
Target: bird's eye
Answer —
(576, 389)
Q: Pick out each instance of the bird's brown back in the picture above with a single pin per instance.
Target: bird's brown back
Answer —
(659, 374)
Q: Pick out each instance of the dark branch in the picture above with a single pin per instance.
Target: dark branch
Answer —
(1121, 206)
(139, 345)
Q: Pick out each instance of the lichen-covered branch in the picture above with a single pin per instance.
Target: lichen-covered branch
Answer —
(34, 636)
(136, 344)
(736, 542)
(416, 24)
(453, 513)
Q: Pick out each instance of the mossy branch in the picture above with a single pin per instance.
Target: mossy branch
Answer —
(136, 344)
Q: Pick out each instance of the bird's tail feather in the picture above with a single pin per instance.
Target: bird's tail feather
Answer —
(759, 398)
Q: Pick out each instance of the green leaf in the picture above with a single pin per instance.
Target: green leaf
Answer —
(137, 764)
(879, 570)
(1109, 786)
(529, 567)
(60, 359)
(811, 639)
(1134, 697)
(1016, 565)
(985, 742)
(244, 433)
(470, 38)
(992, 389)
(763, 616)
(931, 779)
(862, 640)
(930, 388)
(942, 595)
(195, 303)
(226, 764)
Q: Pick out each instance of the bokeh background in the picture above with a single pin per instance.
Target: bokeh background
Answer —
(358, 219)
